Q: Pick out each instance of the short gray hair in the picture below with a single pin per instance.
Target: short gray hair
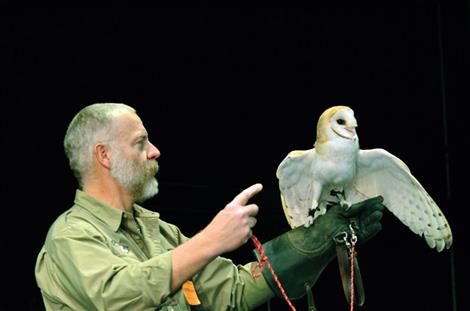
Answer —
(91, 125)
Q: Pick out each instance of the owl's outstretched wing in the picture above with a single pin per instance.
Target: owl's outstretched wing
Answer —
(381, 173)
(295, 182)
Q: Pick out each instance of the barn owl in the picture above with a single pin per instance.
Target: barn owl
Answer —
(308, 179)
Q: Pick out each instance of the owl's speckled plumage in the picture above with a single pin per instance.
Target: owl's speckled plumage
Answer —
(306, 178)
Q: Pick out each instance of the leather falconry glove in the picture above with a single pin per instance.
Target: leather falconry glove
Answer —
(299, 256)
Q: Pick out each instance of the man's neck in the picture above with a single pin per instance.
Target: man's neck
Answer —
(110, 193)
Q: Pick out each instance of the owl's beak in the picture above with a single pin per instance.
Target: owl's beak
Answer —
(351, 129)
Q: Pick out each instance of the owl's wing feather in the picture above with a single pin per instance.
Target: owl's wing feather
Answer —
(381, 173)
(295, 183)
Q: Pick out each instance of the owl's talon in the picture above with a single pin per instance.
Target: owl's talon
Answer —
(309, 221)
(345, 204)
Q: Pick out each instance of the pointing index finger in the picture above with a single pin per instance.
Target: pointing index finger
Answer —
(243, 197)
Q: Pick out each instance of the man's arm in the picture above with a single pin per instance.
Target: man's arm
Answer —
(229, 229)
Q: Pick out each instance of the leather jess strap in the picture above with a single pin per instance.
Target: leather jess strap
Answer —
(342, 253)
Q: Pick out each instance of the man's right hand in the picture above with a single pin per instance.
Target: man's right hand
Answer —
(231, 227)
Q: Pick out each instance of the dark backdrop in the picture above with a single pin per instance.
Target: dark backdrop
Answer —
(225, 94)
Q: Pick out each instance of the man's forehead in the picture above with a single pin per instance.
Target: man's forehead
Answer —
(131, 125)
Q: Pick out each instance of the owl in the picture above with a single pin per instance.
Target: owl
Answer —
(336, 169)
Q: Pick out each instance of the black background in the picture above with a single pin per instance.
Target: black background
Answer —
(225, 94)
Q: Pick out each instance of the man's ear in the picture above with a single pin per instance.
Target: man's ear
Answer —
(103, 155)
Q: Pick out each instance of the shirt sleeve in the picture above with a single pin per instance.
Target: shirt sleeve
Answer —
(222, 285)
(86, 269)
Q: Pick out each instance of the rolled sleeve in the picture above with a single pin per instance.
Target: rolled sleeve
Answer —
(225, 286)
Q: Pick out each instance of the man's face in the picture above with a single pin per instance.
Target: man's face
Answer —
(131, 164)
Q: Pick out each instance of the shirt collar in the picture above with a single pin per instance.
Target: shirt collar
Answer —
(106, 213)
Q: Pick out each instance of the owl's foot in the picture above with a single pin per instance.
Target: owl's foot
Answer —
(308, 221)
(342, 198)
(320, 211)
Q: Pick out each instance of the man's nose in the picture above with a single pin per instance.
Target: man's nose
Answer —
(153, 152)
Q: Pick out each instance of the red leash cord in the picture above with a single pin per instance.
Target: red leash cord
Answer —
(351, 308)
(263, 259)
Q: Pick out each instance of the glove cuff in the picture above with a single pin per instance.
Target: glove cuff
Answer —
(297, 261)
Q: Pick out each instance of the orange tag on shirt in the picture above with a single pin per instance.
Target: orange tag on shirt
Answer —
(190, 293)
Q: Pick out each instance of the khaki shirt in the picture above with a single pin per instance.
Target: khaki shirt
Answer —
(97, 257)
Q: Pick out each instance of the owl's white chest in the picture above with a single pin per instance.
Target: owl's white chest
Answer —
(336, 162)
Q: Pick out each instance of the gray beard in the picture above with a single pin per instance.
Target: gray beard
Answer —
(137, 178)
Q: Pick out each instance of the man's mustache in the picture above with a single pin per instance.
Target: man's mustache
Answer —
(153, 167)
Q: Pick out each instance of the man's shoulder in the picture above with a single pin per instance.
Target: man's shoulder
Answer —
(74, 221)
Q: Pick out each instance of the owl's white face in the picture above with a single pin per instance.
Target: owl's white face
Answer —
(343, 124)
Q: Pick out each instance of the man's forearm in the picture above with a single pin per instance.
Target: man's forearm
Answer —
(189, 258)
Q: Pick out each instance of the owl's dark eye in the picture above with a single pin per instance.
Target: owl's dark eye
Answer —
(340, 121)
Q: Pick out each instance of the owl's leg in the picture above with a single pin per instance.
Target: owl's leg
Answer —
(321, 210)
(316, 193)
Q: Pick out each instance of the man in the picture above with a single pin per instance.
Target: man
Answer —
(109, 253)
